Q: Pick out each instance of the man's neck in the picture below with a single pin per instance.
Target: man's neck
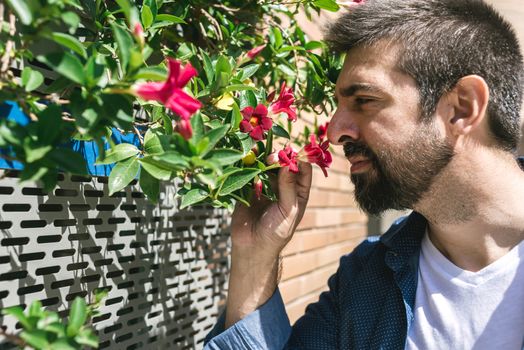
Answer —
(475, 210)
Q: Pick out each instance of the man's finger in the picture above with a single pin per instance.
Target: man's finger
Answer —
(303, 186)
(287, 190)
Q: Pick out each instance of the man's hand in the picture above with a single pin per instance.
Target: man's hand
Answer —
(259, 233)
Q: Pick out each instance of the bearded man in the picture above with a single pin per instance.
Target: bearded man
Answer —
(428, 115)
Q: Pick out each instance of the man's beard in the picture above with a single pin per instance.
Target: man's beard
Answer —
(397, 180)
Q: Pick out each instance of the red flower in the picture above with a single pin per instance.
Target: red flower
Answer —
(170, 93)
(317, 154)
(284, 102)
(258, 186)
(322, 131)
(184, 128)
(255, 122)
(254, 52)
(288, 157)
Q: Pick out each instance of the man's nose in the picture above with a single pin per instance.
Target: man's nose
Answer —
(342, 128)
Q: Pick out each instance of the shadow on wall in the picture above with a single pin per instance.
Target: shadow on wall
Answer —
(166, 269)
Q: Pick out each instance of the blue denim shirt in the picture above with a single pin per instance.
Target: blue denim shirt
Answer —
(369, 304)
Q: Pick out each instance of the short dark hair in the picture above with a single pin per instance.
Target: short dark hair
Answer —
(441, 41)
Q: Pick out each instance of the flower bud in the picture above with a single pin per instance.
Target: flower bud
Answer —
(249, 159)
(258, 186)
(272, 158)
(138, 32)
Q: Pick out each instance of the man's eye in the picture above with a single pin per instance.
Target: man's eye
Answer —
(363, 100)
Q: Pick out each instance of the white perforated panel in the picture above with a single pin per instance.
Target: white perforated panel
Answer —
(166, 269)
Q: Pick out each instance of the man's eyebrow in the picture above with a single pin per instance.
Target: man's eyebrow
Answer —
(354, 88)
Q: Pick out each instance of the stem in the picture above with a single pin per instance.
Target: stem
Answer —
(12, 338)
(140, 138)
(9, 46)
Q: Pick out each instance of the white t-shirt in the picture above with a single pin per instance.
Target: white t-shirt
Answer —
(459, 309)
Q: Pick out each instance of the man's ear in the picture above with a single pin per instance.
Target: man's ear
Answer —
(468, 104)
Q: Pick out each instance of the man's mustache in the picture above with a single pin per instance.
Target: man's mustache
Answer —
(357, 149)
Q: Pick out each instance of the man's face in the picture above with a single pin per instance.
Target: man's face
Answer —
(394, 155)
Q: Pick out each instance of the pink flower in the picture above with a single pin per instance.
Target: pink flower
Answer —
(284, 102)
(349, 3)
(255, 122)
(254, 52)
(322, 131)
(288, 157)
(183, 127)
(317, 154)
(258, 187)
(170, 93)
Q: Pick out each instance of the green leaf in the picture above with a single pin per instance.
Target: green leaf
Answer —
(125, 44)
(312, 45)
(151, 73)
(47, 318)
(146, 16)
(118, 109)
(122, 174)
(238, 180)
(36, 338)
(225, 156)
(155, 141)
(170, 18)
(86, 120)
(69, 160)
(70, 42)
(149, 185)
(222, 71)
(214, 136)
(197, 124)
(88, 338)
(172, 160)
(239, 87)
(248, 71)
(280, 131)
(18, 313)
(192, 197)
(276, 37)
(77, 316)
(49, 125)
(34, 152)
(118, 153)
(31, 79)
(246, 141)
(155, 169)
(35, 309)
(56, 328)
(330, 5)
(247, 98)
(208, 66)
(236, 117)
(65, 64)
(72, 20)
(22, 10)
(62, 344)
(286, 70)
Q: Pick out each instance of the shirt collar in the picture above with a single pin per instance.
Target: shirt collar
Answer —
(403, 240)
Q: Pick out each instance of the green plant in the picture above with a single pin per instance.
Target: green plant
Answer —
(106, 56)
(44, 330)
